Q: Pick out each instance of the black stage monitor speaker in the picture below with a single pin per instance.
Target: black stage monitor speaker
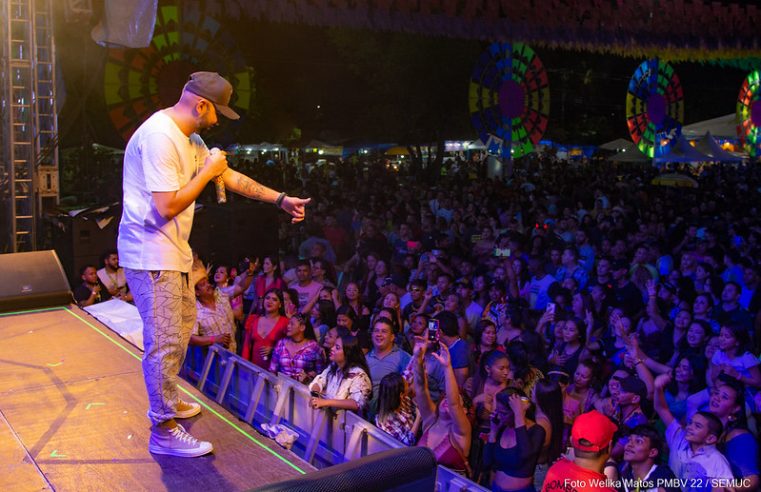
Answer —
(400, 470)
(32, 280)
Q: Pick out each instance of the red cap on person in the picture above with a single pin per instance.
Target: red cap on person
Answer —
(592, 431)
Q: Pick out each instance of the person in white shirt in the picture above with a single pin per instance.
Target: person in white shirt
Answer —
(692, 450)
(166, 167)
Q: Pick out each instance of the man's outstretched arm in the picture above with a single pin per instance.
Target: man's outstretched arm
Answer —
(245, 186)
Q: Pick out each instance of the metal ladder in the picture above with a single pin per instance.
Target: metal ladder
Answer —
(32, 119)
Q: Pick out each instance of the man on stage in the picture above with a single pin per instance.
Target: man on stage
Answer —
(166, 166)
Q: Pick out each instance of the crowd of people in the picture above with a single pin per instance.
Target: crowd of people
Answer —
(569, 325)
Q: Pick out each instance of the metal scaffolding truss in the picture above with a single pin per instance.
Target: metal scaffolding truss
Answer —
(29, 127)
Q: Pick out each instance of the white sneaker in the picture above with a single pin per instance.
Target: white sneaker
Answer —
(177, 442)
(185, 409)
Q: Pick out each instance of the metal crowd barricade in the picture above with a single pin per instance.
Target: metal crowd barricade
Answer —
(325, 438)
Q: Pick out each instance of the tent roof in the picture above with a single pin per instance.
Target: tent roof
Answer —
(682, 151)
(708, 146)
(630, 155)
(618, 144)
(722, 127)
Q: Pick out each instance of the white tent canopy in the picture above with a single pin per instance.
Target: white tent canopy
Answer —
(619, 144)
(721, 127)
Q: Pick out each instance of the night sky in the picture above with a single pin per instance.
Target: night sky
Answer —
(346, 85)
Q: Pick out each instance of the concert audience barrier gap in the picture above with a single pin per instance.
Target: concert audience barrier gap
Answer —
(325, 439)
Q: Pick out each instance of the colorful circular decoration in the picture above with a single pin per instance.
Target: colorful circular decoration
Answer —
(749, 114)
(509, 99)
(138, 82)
(654, 107)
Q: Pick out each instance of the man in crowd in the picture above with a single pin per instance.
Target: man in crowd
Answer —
(692, 449)
(90, 290)
(112, 277)
(539, 285)
(641, 456)
(626, 295)
(459, 350)
(306, 287)
(385, 357)
(591, 437)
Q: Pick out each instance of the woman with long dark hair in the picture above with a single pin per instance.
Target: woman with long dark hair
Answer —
(345, 384)
(548, 398)
(298, 355)
(396, 411)
(264, 330)
(514, 444)
(482, 388)
(267, 280)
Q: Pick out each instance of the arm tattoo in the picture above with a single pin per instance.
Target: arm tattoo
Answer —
(250, 188)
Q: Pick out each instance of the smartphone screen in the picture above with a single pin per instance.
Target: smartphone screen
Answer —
(433, 334)
(551, 307)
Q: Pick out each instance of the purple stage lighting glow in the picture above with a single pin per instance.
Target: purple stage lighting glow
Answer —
(656, 108)
(512, 99)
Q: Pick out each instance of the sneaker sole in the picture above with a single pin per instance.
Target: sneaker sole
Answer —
(181, 453)
(188, 413)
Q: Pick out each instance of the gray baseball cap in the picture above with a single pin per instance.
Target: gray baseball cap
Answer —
(214, 87)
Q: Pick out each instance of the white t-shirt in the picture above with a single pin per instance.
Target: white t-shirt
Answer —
(159, 157)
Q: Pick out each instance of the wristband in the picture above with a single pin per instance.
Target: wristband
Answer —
(280, 198)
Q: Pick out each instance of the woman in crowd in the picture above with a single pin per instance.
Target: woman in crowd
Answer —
(290, 302)
(701, 310)
(345, 384)
(330, 338)
(486, 341)
(522, 374)
(298, 355)
(268, 279)
(446, 428)
(568, 353)
(452, 304)
(323, 317)
(735, 360)
(397, 413)
(224, 280)
(689, 378)
(353, 299)
(482, 388)
(548, 399)
(580, 396)
(391, 304)
(481, 290)
(262, 331)
(514, 444)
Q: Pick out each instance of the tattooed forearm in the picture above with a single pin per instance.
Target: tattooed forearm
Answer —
(250, 188)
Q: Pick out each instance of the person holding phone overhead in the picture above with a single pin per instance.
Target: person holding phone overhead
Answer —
(446, 428)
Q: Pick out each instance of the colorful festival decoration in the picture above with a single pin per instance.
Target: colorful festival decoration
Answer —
(748, 114)
(137, 82)
(654, 107)
(509, 99)
(676, 30)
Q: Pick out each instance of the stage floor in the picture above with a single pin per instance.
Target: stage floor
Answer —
(73, 417)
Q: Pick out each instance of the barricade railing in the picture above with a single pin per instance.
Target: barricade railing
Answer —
(258, 397)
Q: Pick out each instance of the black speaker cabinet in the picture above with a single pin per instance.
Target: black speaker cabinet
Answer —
(399, 470)
(32, 280)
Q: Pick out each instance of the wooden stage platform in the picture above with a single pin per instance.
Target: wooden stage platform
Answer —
(73, 417)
